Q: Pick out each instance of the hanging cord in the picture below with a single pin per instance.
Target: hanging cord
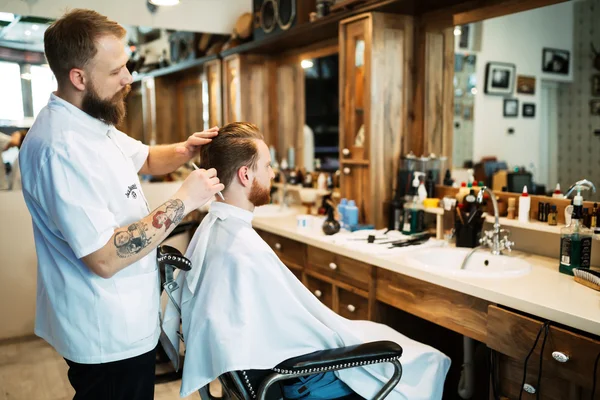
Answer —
(595, 372)
(545, 329)
(539, 383)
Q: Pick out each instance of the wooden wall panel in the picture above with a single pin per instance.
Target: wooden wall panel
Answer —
(439, 93)
(213, 81)
(232, 105)
(190, 108)
(133, 125)
(290, 111)
(167, 122)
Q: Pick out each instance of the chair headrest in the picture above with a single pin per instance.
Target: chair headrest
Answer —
(170, 256)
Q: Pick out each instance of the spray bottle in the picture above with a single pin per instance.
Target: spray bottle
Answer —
(576, 239)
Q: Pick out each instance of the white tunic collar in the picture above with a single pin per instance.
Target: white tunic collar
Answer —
(224, 210)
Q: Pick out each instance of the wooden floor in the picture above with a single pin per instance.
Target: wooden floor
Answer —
(32, 370)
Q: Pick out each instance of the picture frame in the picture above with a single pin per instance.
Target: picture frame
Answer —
(511, 108)
(595, 107)
(555, 61)
(596, 85)
(525, 84)
(499, 78)
(528, 110)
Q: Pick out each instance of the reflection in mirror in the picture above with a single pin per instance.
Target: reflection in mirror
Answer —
(321, 129)
(521, 99)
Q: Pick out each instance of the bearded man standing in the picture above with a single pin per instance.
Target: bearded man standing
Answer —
(98, 282)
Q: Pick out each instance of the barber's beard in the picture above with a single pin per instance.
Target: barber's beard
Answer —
(259, 195)
(111, 111)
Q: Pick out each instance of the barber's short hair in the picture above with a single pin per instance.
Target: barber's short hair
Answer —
(70, 42)
(234, 147)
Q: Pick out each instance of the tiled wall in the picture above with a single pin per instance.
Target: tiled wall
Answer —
(578, 147)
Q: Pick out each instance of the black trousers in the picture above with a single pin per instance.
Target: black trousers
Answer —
(130, 379)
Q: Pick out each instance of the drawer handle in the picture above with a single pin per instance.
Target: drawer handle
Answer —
(332, 266)
(346, 171)
(346, 152)
(528, 388)
(277, 246)
(351, 308)
(318, 293)
(560, 357)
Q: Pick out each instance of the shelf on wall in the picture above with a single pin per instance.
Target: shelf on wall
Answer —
(179, 67)
(531, 225)
(313, 32)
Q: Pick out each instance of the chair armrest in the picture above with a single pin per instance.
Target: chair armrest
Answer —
(340, 358)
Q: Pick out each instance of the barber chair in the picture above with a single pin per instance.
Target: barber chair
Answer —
(259, 384)
(167, 267)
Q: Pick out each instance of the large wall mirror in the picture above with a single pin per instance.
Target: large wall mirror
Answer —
(527, 98)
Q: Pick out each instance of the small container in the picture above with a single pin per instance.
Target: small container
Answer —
(511, 208)
(553, 216)
(541, 211)
(330, 226)
(351, 214)
(524, 205)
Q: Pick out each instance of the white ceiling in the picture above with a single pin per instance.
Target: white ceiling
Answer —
(215, 16)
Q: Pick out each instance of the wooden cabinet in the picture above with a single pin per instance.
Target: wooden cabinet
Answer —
(246, 86)
(340, 268)
(352, 305)
(567, 356)
(321, 289)
(375, 89)
(289, 251)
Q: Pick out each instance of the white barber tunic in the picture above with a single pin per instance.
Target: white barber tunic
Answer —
(80, 183)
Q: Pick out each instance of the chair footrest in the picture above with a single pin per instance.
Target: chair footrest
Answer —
(344, 357)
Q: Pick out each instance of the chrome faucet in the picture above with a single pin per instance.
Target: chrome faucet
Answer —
(491, 238)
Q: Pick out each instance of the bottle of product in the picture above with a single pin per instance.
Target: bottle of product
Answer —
(342, 211)
(330, 226)
(511, 208)
(448, 181)
(557, 193)
(395, 214)
(322, 182)
(351, 214)
(462, 192)
(541, 211)
(586, 218)
(594, 218)
(524, 205)
(308, 180)
(575, 240)
(430, 185)
(553, 216)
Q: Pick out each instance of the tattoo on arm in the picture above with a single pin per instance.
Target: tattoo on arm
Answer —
(134, 238)
(131, 240)
(172, 215)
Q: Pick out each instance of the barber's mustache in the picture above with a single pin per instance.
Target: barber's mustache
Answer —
(121, 94)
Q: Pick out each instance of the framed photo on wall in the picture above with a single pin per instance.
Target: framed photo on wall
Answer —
(499, 78)
(555, 61)
(525, 84)
(595, 107)
(511, 108)
(596, 85)
(528, 110)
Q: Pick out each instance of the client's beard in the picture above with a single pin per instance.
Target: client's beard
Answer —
(259, 196)
(111, 111)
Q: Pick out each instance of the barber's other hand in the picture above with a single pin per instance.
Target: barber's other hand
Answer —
(192, 145)
(199, 187)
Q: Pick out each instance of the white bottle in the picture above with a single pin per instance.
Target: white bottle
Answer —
(524, 205)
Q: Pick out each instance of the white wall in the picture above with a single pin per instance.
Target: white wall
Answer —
(518, 39)
(214, 16)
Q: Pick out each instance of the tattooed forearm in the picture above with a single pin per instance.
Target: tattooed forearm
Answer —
(131, 240)
(172, 214)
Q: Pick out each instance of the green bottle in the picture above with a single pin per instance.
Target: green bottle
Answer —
(575, 240)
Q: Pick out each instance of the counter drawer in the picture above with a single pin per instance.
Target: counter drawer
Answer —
(352, 305)
(513, 334)
(340, 268)
(322, 290)
(289, 251)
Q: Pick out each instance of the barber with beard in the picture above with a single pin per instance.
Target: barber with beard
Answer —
(95, 236)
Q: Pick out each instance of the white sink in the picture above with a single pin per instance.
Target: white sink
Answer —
(273, 210)
(481, 264)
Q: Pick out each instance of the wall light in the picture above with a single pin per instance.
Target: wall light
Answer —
(457, 31)
(306, 64)
(165, 3)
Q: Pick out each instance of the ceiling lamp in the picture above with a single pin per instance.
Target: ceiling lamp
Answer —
(164, 3)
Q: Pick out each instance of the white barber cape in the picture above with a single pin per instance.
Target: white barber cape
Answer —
(242, 309)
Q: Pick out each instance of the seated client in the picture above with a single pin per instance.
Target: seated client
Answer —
(242, 309)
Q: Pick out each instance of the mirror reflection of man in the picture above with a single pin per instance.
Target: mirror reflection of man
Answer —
(98, 282)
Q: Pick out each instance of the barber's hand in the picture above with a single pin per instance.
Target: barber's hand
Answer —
(199, 187)
(192, 145)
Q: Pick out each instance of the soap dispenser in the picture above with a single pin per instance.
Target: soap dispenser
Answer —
(576, 239)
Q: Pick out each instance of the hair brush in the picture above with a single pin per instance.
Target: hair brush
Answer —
(587, 277)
